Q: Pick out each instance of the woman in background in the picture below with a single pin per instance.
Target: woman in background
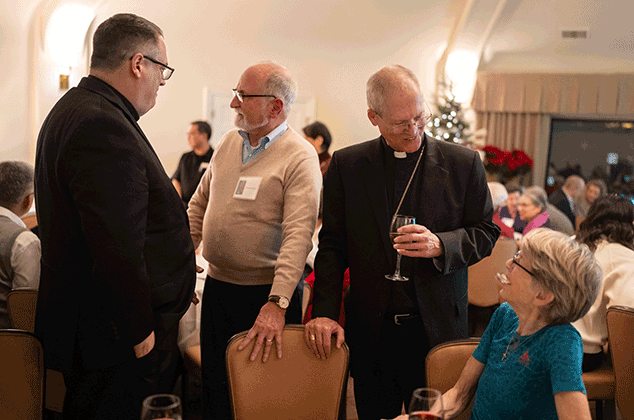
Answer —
(532, 209)
(609, 233)
(510, 210)
(318, 135)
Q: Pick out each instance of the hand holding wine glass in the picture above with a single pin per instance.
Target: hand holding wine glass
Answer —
(162, 407)
(398, 221)
(426, 404)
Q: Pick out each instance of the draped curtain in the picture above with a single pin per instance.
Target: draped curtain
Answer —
(511, 107)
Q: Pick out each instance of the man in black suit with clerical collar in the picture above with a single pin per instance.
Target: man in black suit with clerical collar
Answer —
(390, 326)
(118, 263)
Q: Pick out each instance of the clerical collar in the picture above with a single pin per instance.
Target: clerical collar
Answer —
(403, 155)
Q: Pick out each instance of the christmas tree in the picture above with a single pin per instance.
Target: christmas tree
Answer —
(448, 123)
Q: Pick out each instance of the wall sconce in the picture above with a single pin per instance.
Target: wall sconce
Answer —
(65, 37)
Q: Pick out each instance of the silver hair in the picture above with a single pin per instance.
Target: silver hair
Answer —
(537, 195)
(281, 84)
(566, 268)
(386, 80)
(16, 182)
(498, 194)
(574, 182)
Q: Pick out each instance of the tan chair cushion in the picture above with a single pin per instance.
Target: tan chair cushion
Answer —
(599, 383)
(22, 376)
(297, 386)
(444, 365)
(21, 304)
(620, 321)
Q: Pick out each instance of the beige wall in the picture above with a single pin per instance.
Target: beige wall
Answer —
(331, 46)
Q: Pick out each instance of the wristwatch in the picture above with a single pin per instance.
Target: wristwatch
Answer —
(281, 301)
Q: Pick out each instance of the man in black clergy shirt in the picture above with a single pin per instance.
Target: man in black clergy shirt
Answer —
(118, 264)
(391, 325)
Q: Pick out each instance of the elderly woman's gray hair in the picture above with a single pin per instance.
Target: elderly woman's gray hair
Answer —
(565, 267)
(537, 195)
(498, 194)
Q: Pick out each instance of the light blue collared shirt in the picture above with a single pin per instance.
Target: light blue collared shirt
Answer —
(249, 152)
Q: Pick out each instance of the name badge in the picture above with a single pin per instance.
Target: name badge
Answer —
(247, 188)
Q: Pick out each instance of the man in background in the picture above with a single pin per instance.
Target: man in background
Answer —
(193, 164)
(565, 197)
(254, 212)
(20, 249)
(118, 263)
(391, 325)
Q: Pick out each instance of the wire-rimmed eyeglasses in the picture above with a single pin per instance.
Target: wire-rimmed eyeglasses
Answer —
(515, 258)
(240, 95)
(167, 70)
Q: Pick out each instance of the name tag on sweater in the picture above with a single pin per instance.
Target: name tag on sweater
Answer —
(247, 188)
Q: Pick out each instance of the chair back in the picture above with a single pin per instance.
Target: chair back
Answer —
(297, 386)
(30, 220)
(22, 377)
(21, 304)
(445, 363)
(620, 320)
(483, 286)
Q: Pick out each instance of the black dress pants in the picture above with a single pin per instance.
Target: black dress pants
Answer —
(229, 309)
(117, 392)
(383, 386)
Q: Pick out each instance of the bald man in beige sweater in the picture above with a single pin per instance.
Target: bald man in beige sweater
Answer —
(254, 212)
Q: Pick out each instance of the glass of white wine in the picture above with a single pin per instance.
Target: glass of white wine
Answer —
(162, 407)
(426, 404)
(398, 221)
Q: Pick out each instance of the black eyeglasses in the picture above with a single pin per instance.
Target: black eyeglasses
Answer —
(515, 258)
(241, 95)
(167, 70)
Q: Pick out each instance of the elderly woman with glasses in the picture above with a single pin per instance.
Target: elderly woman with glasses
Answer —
(528, 362)
(609, 233)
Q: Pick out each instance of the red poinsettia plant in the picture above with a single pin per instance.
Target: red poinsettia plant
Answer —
(508, 164)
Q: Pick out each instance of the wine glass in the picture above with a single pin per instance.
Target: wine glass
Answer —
(397, 221)
(162, 407)
(426, 404)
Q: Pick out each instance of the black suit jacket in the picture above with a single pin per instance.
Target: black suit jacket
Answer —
(456, 207)
(117, 258)
(559, 200)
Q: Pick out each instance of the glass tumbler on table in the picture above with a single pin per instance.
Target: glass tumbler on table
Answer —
(162, 407)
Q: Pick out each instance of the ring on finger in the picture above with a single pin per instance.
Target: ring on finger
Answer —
(312, 337)
(269, 341)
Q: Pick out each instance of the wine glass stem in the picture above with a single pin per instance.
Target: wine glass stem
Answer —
(397, 272)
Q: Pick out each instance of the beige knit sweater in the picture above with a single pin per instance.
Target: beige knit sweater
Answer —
(266, 240)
